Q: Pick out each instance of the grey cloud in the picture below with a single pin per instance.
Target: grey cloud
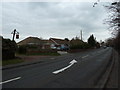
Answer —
(52, 19)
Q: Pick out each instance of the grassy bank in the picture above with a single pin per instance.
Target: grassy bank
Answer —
(47, 54)
(12, 61)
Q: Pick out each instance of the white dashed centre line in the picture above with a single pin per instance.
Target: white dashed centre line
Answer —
(52, 58)
(10, 80)
(85, 56)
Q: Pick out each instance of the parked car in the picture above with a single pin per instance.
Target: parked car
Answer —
(104, 47)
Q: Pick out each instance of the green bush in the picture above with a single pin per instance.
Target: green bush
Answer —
(8, 49)
(22, 49)
(85, 45)
(32, 46)
(80, 46)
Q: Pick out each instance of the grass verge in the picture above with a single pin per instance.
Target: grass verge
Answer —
(12, 61)
(48, 54)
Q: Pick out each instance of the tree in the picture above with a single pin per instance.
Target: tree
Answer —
(8, 49)
(92, 41)
(109, 42)
(114, 23)
(66, 39)
(76, 43)
(97, 45)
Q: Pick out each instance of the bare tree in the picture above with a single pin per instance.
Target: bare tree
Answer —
(114, 22)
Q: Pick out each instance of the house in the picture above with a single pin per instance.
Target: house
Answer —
(46, 44)
(59, 44)
(56, 44)
(52, 43)
(31, 41)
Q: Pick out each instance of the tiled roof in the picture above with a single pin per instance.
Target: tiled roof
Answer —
(36, 40)
(59, 41)
(30, 40)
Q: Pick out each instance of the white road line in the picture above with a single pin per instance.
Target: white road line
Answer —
(85, 56)
(10, 80)
(52, 58)
(71, 63)
(58, 71)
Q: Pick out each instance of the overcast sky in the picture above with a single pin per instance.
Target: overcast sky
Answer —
(54, 19)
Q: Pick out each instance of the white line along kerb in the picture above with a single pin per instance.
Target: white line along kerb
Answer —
(10, 80)
(71, 63)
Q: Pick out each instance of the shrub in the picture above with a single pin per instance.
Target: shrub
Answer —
(8, 49)
(80, 46)
(22, 49)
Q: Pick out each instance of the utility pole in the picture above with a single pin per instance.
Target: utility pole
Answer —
(81, 35)
(17, 34)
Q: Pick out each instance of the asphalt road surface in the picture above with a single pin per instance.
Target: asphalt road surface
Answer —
(78, 70)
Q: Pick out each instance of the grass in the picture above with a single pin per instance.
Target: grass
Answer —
(50, 54)
(12, 61)
(46, 54)
(19, 60)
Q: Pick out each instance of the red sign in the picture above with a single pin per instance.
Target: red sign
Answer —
(17, 36)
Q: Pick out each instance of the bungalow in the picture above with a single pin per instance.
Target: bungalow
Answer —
(59, 44)
(52, 43)
(31, 41)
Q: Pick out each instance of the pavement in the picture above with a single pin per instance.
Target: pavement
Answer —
(113, 79)
(85, 72)
(28, 60)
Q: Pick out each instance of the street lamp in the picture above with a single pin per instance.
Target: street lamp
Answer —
(17, 34)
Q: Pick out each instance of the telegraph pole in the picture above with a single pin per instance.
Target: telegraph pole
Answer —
(81, 35)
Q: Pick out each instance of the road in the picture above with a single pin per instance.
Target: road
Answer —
(83, 71)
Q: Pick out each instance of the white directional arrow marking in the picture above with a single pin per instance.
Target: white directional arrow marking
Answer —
(71, 63)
